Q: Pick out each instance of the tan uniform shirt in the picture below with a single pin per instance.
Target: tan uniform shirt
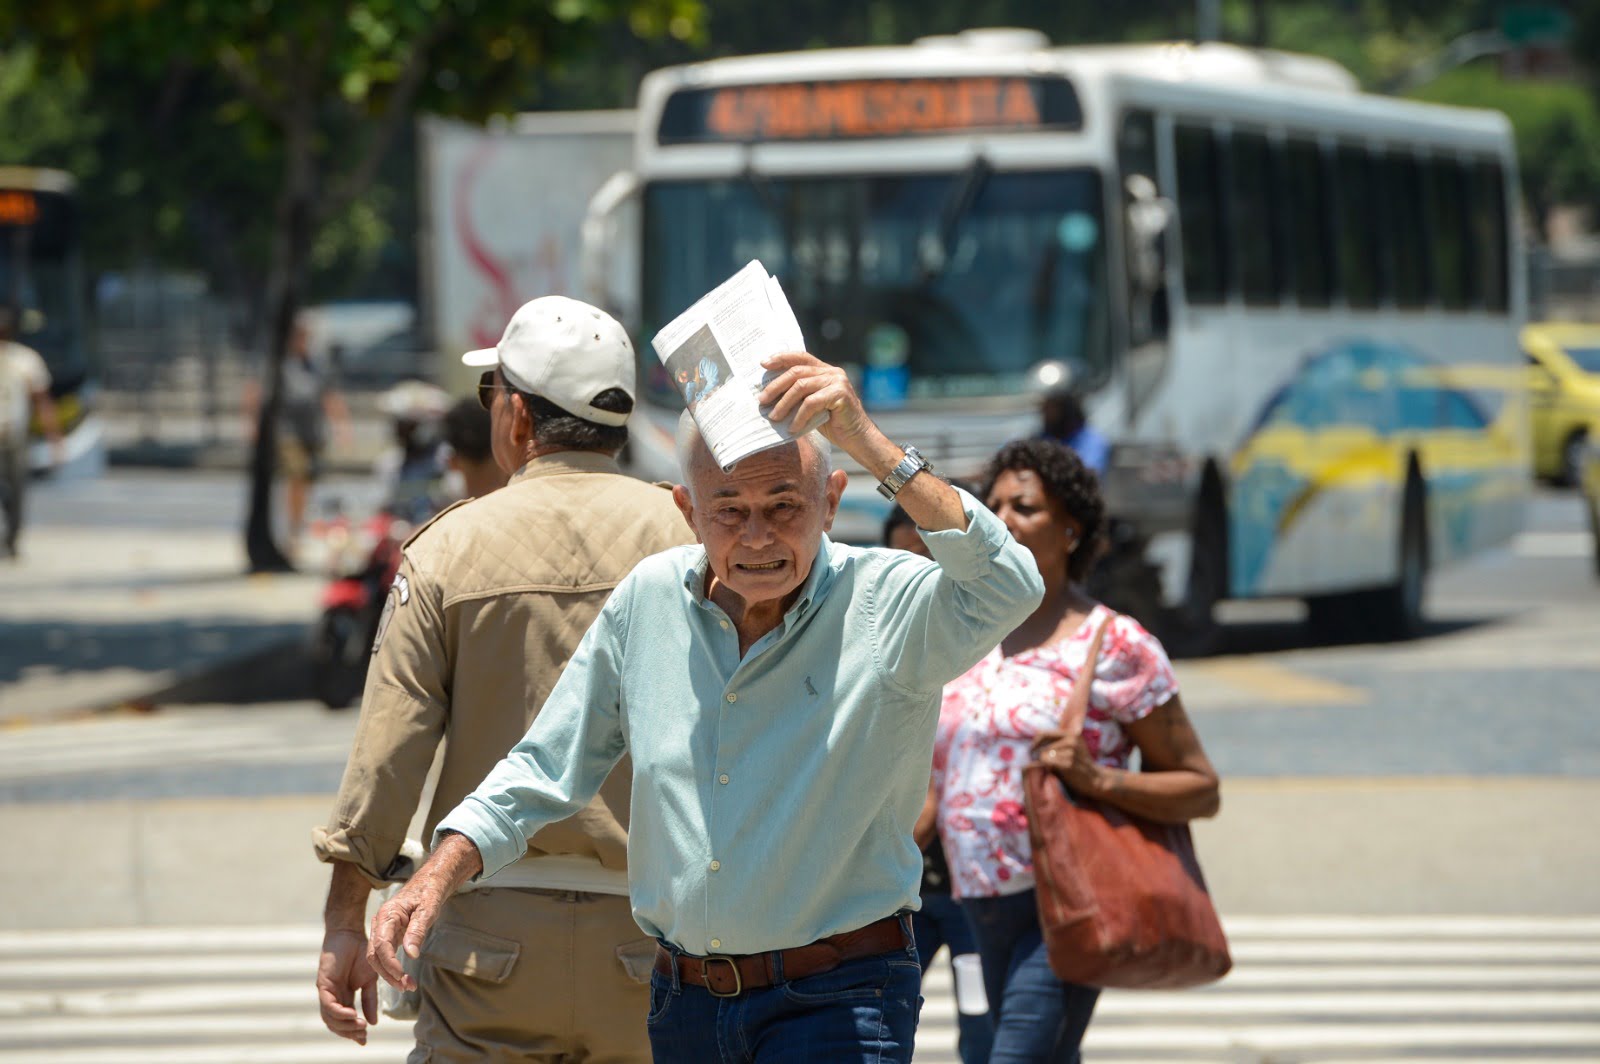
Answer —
(490, 602)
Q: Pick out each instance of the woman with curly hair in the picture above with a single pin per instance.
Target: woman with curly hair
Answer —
(1005, 711)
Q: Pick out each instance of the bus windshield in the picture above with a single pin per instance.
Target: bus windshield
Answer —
(39, 277)
(926, 287)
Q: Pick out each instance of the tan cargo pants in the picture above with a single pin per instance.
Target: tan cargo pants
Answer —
(534, 977)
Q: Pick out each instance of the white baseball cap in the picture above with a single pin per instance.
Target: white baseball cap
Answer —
(565, 351)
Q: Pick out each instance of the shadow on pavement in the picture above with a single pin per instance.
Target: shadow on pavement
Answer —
(214, 660)
(1271, 637)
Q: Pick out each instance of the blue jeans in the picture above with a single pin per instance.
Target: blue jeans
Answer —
(940, 922)
(1038, 1019)
(862, 1012)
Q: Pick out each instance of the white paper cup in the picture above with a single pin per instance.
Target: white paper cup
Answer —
(970, 998)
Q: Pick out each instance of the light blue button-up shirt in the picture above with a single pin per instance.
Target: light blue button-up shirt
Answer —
(773, 794)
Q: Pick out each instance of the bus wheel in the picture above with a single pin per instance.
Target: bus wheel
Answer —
(1192, 629)
(1395, 612)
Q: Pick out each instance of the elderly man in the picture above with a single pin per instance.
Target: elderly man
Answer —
(778, 694)
(544, 962)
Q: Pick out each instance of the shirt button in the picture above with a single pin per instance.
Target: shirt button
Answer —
(716, 943)
(722, 778)
(732, 697)
(715, 865)
(724, 626)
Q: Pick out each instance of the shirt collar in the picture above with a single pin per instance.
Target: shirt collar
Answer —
(813, 591)
(557, 463)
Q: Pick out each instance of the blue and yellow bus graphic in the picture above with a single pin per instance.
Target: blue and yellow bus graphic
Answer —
(1347, 423)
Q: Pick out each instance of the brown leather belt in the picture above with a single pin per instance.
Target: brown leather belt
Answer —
(731, 975)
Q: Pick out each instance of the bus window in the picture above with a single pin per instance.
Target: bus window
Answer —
(1400, 187)
(1257, 239)
(1309, 221)
(1489, 234)
(1360, 271)
(1447, 228)
(1200, 206)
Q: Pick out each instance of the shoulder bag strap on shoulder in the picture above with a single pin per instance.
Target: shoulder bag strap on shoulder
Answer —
(1077, 710)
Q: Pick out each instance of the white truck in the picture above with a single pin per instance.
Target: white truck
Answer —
(502, 213)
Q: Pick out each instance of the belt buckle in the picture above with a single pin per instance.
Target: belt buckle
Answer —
(738, 979)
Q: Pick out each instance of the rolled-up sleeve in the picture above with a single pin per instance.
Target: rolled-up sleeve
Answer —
(403, 709)
(932, 622)
(559, 765)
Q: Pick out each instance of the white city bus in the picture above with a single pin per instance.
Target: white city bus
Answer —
(1292, 307)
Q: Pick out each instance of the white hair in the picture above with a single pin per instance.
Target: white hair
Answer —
(690, 441)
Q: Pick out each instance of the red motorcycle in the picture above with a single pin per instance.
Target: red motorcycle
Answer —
(362, 561)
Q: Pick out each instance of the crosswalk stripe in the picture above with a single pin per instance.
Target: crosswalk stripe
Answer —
(1344, 1037)
(1256, 952)
(1315, 990)
(1565, 927)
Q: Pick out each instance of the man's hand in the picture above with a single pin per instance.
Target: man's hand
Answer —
(341, 971)
(806, 390)
(403, 923)
(405, 919)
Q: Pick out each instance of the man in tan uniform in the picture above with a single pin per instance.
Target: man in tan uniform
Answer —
(543, 962)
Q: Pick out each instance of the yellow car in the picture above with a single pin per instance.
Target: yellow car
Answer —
(1563, 395)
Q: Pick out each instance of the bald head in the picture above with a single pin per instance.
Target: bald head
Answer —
(695, 462)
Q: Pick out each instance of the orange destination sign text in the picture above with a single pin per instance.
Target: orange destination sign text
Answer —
(18, 207)
(871, 108)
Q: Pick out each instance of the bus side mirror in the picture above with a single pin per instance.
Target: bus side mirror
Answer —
(1148, 214)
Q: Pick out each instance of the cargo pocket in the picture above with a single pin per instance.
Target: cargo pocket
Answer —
(471, 953)
(638, 957)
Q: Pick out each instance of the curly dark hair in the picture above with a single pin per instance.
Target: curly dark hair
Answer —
(1071, 484)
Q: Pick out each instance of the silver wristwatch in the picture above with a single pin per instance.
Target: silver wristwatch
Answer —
(912, 464)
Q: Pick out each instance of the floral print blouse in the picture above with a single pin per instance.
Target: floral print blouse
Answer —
(991, 715)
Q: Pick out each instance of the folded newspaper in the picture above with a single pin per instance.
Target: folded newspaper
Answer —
(713, 352)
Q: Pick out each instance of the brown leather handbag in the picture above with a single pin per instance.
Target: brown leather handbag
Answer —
(1122, 902)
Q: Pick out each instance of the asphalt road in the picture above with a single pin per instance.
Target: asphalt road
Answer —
(1504, 684)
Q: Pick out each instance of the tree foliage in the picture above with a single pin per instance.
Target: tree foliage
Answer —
(303, 100)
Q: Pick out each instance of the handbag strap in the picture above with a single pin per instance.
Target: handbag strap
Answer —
(1077, 710)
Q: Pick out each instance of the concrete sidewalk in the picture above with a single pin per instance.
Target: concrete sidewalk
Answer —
(1280, 847)
(131, 589)
(91, 620)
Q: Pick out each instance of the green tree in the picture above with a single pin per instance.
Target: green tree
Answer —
(321, 90)
(43, 118)
(1558, 133)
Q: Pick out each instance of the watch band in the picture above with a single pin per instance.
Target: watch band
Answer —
(908, 467)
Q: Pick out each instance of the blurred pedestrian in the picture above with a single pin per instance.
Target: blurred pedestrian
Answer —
(411, 469)
(24, 400)
(940, 921)
(309, 407)
(545, 962)
(471, 459)
(777, 694)
(1005, 710)
(1061, 411)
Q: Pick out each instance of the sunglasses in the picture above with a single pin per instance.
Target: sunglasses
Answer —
(486, 389)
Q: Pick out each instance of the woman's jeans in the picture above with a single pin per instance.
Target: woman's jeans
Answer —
(940, 922)
(862, 1012)
(1038, 1019)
